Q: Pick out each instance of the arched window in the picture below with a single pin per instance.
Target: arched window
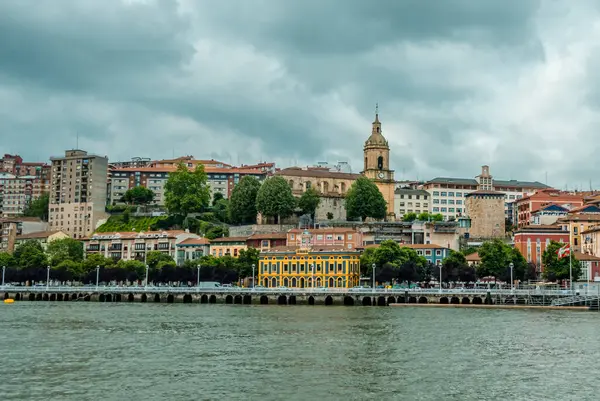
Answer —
(378, 128)
(291, 182)
(380, 162)
(343, 187)
(366, 162)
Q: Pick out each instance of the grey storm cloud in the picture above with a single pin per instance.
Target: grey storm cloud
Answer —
(460, 83)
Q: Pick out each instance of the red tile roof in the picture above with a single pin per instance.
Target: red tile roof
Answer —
(313, 249)
(337, 230)
(37, 235)
(585, 257)
(268, 236)
(195, 241)
(228, 239)
(317, 173)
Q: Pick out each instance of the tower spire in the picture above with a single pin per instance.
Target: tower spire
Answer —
(376, 112)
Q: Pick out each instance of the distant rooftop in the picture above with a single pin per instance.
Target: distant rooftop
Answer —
(497, 183)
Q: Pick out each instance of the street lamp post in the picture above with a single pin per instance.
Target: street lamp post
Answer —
(198, 277)
(441, 266)
(47, 278)
(3, 273)
(512, 281)
(312, 268)
(97, 276)
(146, 284)
(253, 267)
(374, 267)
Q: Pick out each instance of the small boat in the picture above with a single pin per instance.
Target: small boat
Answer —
(9, 301)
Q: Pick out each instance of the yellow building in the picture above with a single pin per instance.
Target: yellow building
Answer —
(230, 246)
(577, 224)
(301, 266)
(377, 165)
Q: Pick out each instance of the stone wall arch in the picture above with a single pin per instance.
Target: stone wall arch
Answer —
(423, 300)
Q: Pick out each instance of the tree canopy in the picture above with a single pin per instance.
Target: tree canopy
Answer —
(64, 249)
(242, 205)
(187, 191)
(275, 199)
(309, 201)
(401, 262)
(38, 207)
(365, 200)
(155, 258)
(139, 195)
(455, 268)
(30, 254)
(496, 257)
(558, 269)
(7, 260)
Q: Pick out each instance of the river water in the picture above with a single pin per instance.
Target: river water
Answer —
(92, 351)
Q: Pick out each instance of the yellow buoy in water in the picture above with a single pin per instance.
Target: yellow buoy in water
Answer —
(9, 301)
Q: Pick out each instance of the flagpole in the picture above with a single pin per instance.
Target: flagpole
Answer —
(570, 270)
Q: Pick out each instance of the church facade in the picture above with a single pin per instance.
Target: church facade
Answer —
(377, 165)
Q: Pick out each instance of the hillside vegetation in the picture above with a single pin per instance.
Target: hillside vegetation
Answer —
(118, 223)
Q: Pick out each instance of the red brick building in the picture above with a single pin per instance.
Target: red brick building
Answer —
(264, 242)
(532, 241)
(532, 203)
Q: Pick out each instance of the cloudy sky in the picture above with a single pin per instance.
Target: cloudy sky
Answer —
(460, 83)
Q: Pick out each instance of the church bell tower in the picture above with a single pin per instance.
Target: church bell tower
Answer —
(377, 163)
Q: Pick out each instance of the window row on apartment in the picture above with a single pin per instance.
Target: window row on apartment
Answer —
(338, 237)
(424, 197)
(447, 210)
(417, 204)
(76, 209)
(447, 201)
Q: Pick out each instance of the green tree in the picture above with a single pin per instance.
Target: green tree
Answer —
(70, 269)
(64, 249)
(556, 269)
(496, 257)
(309, 202)
(30, 254)
(217, 196)
(139, 195)
(365, 200)
(245, 260)
(329, 216)
(408, 217)
(425, 216)
(136, 268)
(38, 207)
(221, 210)
(275, 199)
(457, 269)
(389, 252)
(242, 205)
(154, 258)
(187, 191)
(97, 260)
(7, 260)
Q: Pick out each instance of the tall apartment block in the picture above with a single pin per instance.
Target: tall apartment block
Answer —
(77, 193)
(20, 183)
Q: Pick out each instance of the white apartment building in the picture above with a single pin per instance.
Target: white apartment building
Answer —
(135, 245)
(221, 177)
(77, 193)
(408, 200)
(448, 194)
